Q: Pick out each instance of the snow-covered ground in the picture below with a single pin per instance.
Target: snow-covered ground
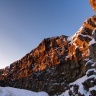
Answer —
(8, 91)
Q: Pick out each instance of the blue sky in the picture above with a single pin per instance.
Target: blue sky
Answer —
(25, 23)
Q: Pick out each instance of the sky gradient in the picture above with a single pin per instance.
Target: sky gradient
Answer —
(25, 23)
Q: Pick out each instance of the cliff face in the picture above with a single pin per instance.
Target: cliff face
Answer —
(86, 85)
(53, 64)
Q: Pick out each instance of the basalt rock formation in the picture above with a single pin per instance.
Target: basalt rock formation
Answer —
(53, 64)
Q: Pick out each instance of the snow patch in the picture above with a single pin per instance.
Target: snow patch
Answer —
(92, 42)
(94, 31)
(9, 91)
(86, 36)
(79, 81)
(92, 88)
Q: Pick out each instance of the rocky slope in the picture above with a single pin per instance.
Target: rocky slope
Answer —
(86, 85)
(53, 64)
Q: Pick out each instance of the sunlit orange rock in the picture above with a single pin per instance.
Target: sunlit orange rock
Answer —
(53, 64)
(93, 4)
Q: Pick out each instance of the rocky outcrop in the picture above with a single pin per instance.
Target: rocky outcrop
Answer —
(86, 85)
(53, 64)
(92, 46)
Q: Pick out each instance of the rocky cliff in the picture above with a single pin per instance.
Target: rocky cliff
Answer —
(86, 85)
(53, 64)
